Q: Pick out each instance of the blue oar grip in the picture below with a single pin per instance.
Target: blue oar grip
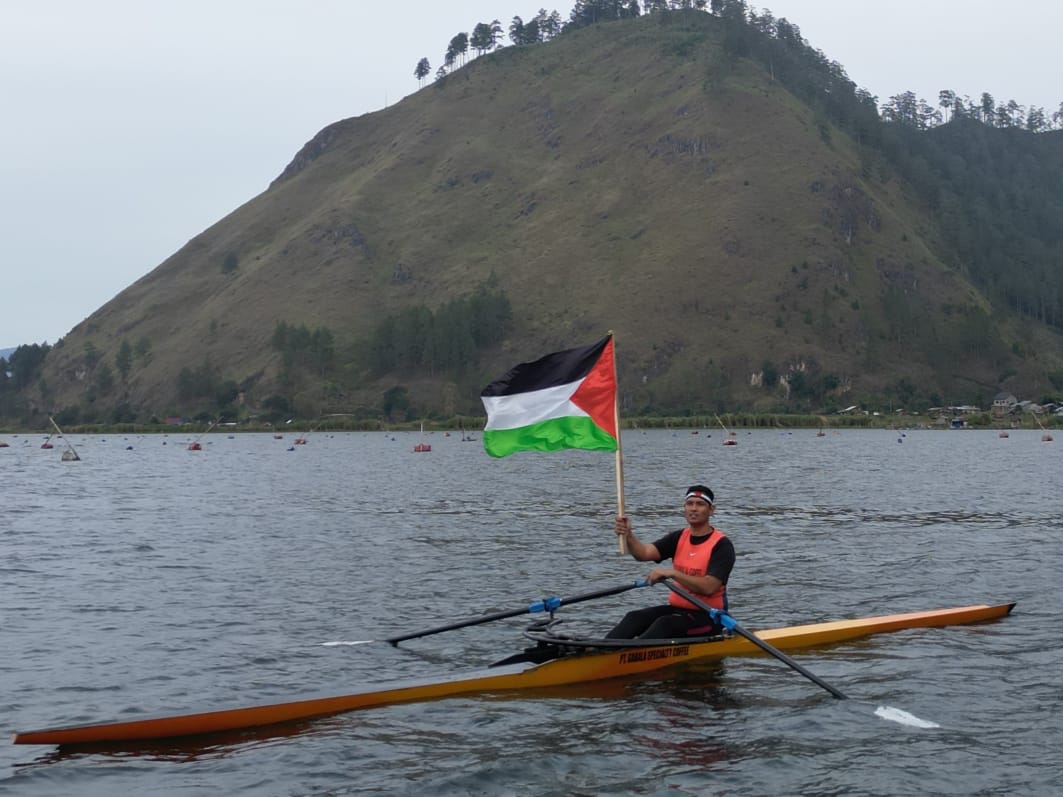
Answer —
(545, 605)
(723, 618)
(718, 615)
(554, 603)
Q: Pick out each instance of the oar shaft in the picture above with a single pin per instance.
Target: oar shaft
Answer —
(603, 593)
(487, 618)
(544, 605)
(730, 623)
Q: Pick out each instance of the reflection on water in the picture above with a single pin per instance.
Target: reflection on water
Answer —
(158, 580)
(214, 745)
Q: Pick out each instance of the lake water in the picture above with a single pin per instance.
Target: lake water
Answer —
(147, 577)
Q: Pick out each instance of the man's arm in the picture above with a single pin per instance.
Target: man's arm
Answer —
(719, 569)
(703, 585)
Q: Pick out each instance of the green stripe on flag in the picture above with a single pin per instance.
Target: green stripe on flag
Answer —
(552, 435)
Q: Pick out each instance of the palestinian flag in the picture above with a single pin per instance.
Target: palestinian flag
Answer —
(563, 400)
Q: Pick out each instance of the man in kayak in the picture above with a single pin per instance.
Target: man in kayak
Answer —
(702, 558)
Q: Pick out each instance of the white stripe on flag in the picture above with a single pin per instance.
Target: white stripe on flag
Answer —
(535, 406)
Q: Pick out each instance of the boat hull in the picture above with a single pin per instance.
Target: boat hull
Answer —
(586, 667)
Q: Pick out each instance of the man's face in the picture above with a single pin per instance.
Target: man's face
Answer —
(696, 511)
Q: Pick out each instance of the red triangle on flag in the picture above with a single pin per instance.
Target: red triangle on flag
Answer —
(596, 395)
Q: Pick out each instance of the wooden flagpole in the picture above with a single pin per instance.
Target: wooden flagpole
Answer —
(619, 449)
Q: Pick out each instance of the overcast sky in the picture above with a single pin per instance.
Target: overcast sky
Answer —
(129, 126)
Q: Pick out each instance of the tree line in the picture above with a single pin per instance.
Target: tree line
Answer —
(301, 347)
(17, 372)
(487, 36)
(448, 339)
(912, 111)
(781, 47)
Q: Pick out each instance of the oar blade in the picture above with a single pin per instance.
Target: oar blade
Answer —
(346, 643)
(903, 717)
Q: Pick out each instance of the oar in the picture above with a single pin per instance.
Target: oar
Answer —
(731, 624)
(544, 605)
(65, 440)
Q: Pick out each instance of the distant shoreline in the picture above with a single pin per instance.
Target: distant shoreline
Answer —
(708, 425)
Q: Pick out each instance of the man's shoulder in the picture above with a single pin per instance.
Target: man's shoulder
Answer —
(670, 539)
(724, 551)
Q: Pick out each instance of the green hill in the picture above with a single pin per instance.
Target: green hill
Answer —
(648, 176)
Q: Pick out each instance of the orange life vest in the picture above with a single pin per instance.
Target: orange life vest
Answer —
(693, 560)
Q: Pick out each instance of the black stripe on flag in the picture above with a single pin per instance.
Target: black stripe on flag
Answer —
(552, 370)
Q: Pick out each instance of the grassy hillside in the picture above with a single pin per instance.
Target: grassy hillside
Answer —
(626, 176)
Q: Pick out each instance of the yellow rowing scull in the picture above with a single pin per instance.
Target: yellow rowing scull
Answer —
(570, 669)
